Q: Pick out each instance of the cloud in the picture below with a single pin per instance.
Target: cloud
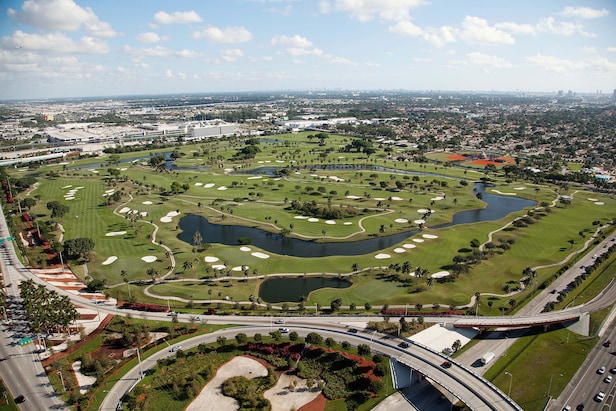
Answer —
(55, 42)
(300, 51)
(231, 54)
(61, 15)
(555, 64)
(294, 41)
(406, 28)
(148, 38)
(516, 28)
(477, 30)
(138, 54)
(169, 73)
(188, 54)
(584, 12)
(562, 28)
(366, 10)
(342, 61)
(226, 36)
(481, 59)
(178, 17)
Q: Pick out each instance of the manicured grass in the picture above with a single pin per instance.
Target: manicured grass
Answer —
(8, 404)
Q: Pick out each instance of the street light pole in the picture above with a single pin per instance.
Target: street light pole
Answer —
(62, 379)
(477, 309)
(510, 382)
(550, 386)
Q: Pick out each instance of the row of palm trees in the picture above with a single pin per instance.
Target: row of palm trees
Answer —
(47, 311)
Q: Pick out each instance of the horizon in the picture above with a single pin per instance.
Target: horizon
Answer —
(63, 49)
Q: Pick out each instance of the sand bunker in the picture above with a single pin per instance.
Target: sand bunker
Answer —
(69, 198)
(593, 199)
(219, 266)
(255, 178)
(115, 233)
(399, 250)
(282, 398)
(260, 255)
(149, 258)
(165, 219)
(68, 186)
(212, 392)
(519, 188)
(418, 240)
(420, 221)
(382, 256)
(209, 185)
(396, 198)
(504, 194)
(147, 202)
(330, 222)
(198, 184)
(348, 223)
(240, 268)
(168, 218)
(429, 236)
(143, 214)
(409, 246)
(438, 198)
(423, 211)
(210, 259)
(440, 274)
(124, 210)
(222, 188)
(244, 248)
(109, 260)
(301, 217)
(599, 203)
(353, 197)
(313, 220)
(173, 213)
(401, 220)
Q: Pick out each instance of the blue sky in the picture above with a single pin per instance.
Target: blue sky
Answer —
(76, 48)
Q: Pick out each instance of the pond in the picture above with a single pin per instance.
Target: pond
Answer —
(278, 290)
(497, 207)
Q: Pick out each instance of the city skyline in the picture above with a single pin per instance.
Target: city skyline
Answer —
(66, 48)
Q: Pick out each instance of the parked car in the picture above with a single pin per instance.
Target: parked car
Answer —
(19, 399)
(279, 321)
(607, 343)
(283, 330)
(608, 379)
(601, 370)
(567, 408)
(613, 370)
(580, 407)
(600, 396)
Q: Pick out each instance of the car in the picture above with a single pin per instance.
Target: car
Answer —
(353, 330)
(446, 364)
(176, 348)
(279, 321)
(198, 318)
(19, 399)
(613, 370)
(600, 396)
(283, 330)
(607, 343)
(171, 314)
(601, 370)
(567, 408)
(580, 407)
(403, 344)
(608, 379)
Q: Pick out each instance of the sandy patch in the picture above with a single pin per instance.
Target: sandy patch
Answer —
(143, 214)
(244, 248)
(124, 210)
(165, 219)
(429, 236)
(110, 191)
(209, 185)
(301, 217)
(353, 197)
(94, 171)
(110, 260)
(115, 233)
(147, 202)
(173, 213)
(240, 268)
(519, 188)
(263, 256)
(222, 188)
(228, 170)
(313, 220)
(399, 250)
(419, 221)
(599, 203)
(210, 259)
(219, 266)
(348, 223)
(84, 381)
(280, 161)
(401, 220)
(440, 274)
(409, 246)
(68, 186)
(212, 392)
(423, 211)
(382, 256)
(379, 198)
(198, 184)
(396, 198)
(283, 399)
(149, 258)
(437, 198)
(255, 178)
(503, 194)
(336, 178)
(330, 222)
(69, 198)
(418, 240)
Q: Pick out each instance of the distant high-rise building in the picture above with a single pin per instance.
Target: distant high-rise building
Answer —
(614, 94)
(561, 93)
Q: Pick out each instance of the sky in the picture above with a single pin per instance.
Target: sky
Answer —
(87, 48)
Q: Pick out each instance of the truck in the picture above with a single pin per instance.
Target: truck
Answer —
(487, 357)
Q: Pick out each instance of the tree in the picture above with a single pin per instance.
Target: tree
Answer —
(78, 247)
(221, 341)
(152, 273)
(314, 339)
(57, 210)
(457, 344)
(363, 350)
(28, 203)
(475, 243)
(197, 239)
(241, 338)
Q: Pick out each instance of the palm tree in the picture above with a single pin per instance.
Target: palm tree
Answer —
(197, 239)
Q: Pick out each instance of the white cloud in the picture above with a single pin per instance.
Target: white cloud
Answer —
(477, 30)
(422, 60)
(584, 12)
(169, 73)
(62, 15)
(555, 64)
(293, 41)
(226, 36)
(178, 17)
(481, 59)
(406, 28)
(141, 53)
(148, 38)
(440, 37)
(365, 10)
(515, 28)
(562, 28)
(299, 51)
(187, 54)
(55, 42)
(341, 60)
(231, 54)
(612, 49)
(100, 29)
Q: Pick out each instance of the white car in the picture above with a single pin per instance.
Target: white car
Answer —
(600, 396)
(608, 379)
(279, 321)
(283, 330)
(601, 370)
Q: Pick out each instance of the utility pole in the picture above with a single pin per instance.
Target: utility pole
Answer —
(62, 379)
